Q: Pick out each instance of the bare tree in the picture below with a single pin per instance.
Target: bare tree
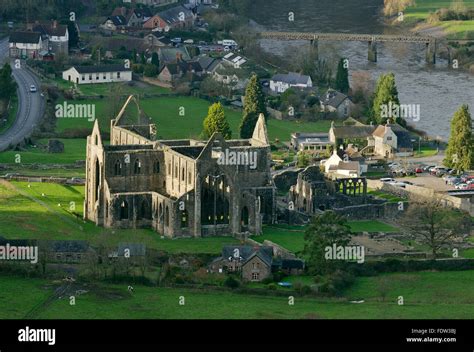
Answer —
(432, 220)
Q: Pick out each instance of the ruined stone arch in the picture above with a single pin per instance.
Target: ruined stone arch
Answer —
(144, 210)
(167, 216)
(215, 200)
(97, 173)
(124, 210)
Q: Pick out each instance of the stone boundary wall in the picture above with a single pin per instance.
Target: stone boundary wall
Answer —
(58, 180)
(418, 191)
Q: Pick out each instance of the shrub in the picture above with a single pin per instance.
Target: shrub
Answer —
(272, 287)
(231, 282)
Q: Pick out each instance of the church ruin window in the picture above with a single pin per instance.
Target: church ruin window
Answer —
(244, 219)
(124, 210)
(137, 168)
(160, 213)
(156, 167)
(96, 180)
(215, 207)
(144, 211)
(184, 219)
(167, 216)
(190, 177)
(96, 140)
(182, 174)
(118, 168)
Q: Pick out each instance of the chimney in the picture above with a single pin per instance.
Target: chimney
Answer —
(55, 24)
(29, 26)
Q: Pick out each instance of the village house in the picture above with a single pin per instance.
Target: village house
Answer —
(178, 17)
(337, 167)
(317, 144)
(234, 60)
(68, 251)
(157, 39)
(208, 64)
(98, 74)
(281, 82)
(252, 263)
(173, 55)
(336, 102)
(134, 17)
(114, 23)
(392, 140)
(56, 35)
(386, 141)
(174, 71)
(27, 45)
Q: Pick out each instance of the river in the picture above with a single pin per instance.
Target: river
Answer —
(439, 90)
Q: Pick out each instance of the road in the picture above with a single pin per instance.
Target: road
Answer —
(31, 105)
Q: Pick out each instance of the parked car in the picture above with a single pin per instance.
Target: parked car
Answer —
(387, 179)
(419, 170)
(427, 168)
(461, 186)
(33, 89)
(397, 184)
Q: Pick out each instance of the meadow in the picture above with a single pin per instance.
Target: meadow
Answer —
(421, 9)
(427, 295)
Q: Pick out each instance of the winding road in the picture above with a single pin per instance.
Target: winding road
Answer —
(31, 105)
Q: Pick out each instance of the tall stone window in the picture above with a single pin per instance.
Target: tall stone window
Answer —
(124, 210)
(118, 168)
(156, 167)
(184, 219)
(137, 168)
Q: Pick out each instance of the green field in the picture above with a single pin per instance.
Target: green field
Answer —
(421, 9)
(25, 213)
(292, 237)
(11, 115)
(182, 117)
(426, 295)
(74, 149)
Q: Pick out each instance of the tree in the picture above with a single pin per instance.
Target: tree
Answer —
(150, 70)
(7, 84)
(434, 223)
(155, 60)
(324, 231)
(216, 122)
(73, 34)
(386, 93)
(254, 105)
(342, 77)
(460, 151)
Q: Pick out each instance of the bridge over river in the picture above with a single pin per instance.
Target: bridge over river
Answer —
(371, 39)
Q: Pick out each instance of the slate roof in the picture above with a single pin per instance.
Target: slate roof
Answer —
(159, 36)
(25, 37)
(353, 131)
(172, 15)
(333, 98)
(48, 29)
(100, 69)
(168, 55)
(208, 63)
(17, 243)
(290, 264)
(291, 78)
(265, 253)
(118, 20)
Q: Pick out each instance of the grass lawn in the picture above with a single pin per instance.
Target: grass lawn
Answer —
(435, 295)
(105, 89)
(388, 196)
(74, 149)
(165, 112)
(425, 151)
(292, 237)
(35, 216)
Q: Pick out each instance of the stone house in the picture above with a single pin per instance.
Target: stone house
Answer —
(114, 23)
(392, 140)
(253, 263)
(179, 188)
(174, 71)
(68, 251)
(336, 102)
(178, 17)
(157, 39)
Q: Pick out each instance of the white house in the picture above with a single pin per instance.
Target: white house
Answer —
(281, 82)
(392, 140)
(56, 34)
(98, 74)
(27, 45)
(235, 60)
(335, 167)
